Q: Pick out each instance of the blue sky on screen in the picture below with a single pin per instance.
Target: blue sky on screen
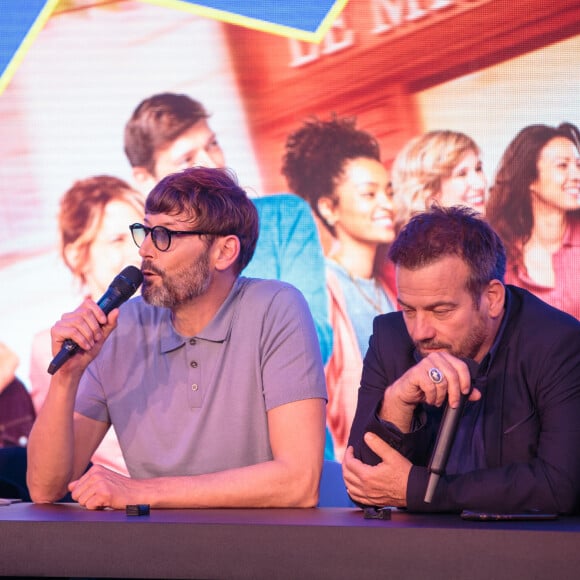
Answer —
(306, 20)
(300, 14)
(19, 24)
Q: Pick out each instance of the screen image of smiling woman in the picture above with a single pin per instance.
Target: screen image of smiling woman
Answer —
(95, 244)
(534, 206)
(441, 167)
(337, 168)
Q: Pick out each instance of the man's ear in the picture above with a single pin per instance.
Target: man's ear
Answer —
(227, 252)
(144, 181)
(495, 295)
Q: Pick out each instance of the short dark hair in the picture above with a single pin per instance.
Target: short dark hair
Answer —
(316, 154)
(452, 231)
(156, 123)
(213, 201)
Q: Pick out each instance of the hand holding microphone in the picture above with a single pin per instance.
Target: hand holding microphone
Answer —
(445, 439)
(120, 290)
(446, 435)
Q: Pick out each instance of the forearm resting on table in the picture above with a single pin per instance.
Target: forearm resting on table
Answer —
(51, 444)
(290, 479)
(265, 485)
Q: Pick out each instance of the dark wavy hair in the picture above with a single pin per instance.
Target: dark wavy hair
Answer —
(212, 200)
(509, 208)
(452, 231)
(316, 153)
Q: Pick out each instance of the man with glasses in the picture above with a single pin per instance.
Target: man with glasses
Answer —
(168, 132)
(204, 376)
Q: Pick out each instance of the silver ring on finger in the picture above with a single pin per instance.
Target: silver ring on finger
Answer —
(435, 375)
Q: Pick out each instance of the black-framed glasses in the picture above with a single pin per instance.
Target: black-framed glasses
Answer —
(160, 235)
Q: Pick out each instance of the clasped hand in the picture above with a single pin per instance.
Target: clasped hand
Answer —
(101, 488)
(438, 377)
(385, 484)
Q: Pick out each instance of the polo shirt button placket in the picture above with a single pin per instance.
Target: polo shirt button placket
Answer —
(194, 395)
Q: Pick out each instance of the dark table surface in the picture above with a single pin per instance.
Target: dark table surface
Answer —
(67, 540)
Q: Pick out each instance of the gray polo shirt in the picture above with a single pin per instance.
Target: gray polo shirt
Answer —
(191, 405)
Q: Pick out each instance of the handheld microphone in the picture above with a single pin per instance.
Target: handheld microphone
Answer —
(445, 438)
(120, 290)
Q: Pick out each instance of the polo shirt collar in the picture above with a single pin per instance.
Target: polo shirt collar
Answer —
(218, 329)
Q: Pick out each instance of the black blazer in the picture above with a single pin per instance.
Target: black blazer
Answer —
(531, 421)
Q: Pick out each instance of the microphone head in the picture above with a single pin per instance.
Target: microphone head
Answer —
(128, 281)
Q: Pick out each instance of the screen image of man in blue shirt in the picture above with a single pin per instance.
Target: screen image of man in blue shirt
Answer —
(462, 331)
(204, 376)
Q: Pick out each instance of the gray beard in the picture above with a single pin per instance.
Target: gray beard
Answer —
(187, 284)
(469, 348)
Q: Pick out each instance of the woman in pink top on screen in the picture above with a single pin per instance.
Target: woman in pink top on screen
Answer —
(96, 244)
(534, 205)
